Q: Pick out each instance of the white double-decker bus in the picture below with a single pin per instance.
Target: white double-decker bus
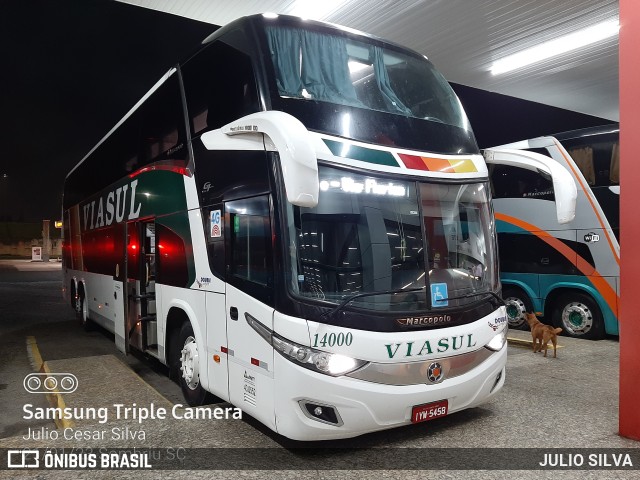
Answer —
(297, 219)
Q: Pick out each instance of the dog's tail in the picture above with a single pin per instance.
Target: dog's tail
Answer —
(557, 330)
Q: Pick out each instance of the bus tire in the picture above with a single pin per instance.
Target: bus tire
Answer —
(578, 315)
(518, 304)
(82, 311)
(186, 366)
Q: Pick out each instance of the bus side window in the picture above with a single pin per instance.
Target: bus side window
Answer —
(515, 182)
(614, 173)
(171, 268)
(249, 249)
(583, 157)
(219, 85)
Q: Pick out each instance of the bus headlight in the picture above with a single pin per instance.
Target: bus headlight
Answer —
(497, 342)
(324, 362)
(333, 364)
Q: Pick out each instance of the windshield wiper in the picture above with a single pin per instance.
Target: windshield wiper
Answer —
(350, 299)
(477, 294)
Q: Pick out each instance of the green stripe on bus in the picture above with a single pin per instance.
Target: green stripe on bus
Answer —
(369, 155)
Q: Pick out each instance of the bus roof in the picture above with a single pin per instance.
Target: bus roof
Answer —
(587, 132)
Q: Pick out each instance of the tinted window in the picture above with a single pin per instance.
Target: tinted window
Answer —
(219, 85)
(341, 83)
(171, 268)
(249, 247)
(515, 182)
(599, 161)
(250, 232)
(102, 250)
(154, 133)
(527, 253)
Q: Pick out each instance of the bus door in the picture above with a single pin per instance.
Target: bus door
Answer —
(249, 306)
(141, 324)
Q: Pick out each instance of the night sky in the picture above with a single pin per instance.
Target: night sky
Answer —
(73, 68)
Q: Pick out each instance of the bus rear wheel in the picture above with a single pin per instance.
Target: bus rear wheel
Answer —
(518, 304)
(82, 311)
(186, 366)
(578, 315)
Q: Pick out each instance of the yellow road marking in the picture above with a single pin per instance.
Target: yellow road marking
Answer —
(55, 398)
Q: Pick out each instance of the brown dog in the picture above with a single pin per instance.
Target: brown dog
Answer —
(541, 334)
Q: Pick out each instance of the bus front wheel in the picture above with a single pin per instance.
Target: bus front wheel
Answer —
(186, 364)
(578, 315)
(518, 304)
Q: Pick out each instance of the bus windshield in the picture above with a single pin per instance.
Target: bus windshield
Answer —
(369, 234)
(318, 71)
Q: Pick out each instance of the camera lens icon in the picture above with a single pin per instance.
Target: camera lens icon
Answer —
(32, 384)
(50, 383)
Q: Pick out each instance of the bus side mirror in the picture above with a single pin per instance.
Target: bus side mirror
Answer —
(284, 134)
(564, 187)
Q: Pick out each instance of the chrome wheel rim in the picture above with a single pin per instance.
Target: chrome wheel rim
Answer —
(516, 311)
(189, 364)
(577, 318)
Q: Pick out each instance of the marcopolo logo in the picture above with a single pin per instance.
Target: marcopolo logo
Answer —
(424, 321)
(50, 383)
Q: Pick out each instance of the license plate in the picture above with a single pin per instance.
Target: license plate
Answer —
(429, 411)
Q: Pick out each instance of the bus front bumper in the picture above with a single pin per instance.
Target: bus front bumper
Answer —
(361, 407)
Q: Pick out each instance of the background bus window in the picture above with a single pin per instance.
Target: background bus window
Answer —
(614, 173)
(599, 161)
(583, 157)
(515, 182)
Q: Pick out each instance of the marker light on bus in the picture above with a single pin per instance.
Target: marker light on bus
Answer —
(498, 341)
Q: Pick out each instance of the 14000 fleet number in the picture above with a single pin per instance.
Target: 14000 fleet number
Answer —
(332, 339)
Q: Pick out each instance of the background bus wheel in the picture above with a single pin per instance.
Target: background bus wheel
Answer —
(82, 311)
(517, 303)
(186, 366)
(579, 316)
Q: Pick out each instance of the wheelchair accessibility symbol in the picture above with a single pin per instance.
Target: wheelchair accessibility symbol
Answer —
(439, 295)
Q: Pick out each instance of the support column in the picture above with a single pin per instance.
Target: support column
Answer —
(629, 225)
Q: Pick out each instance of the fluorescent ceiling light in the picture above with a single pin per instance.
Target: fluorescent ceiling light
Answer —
(561, 45)
(315, 9)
